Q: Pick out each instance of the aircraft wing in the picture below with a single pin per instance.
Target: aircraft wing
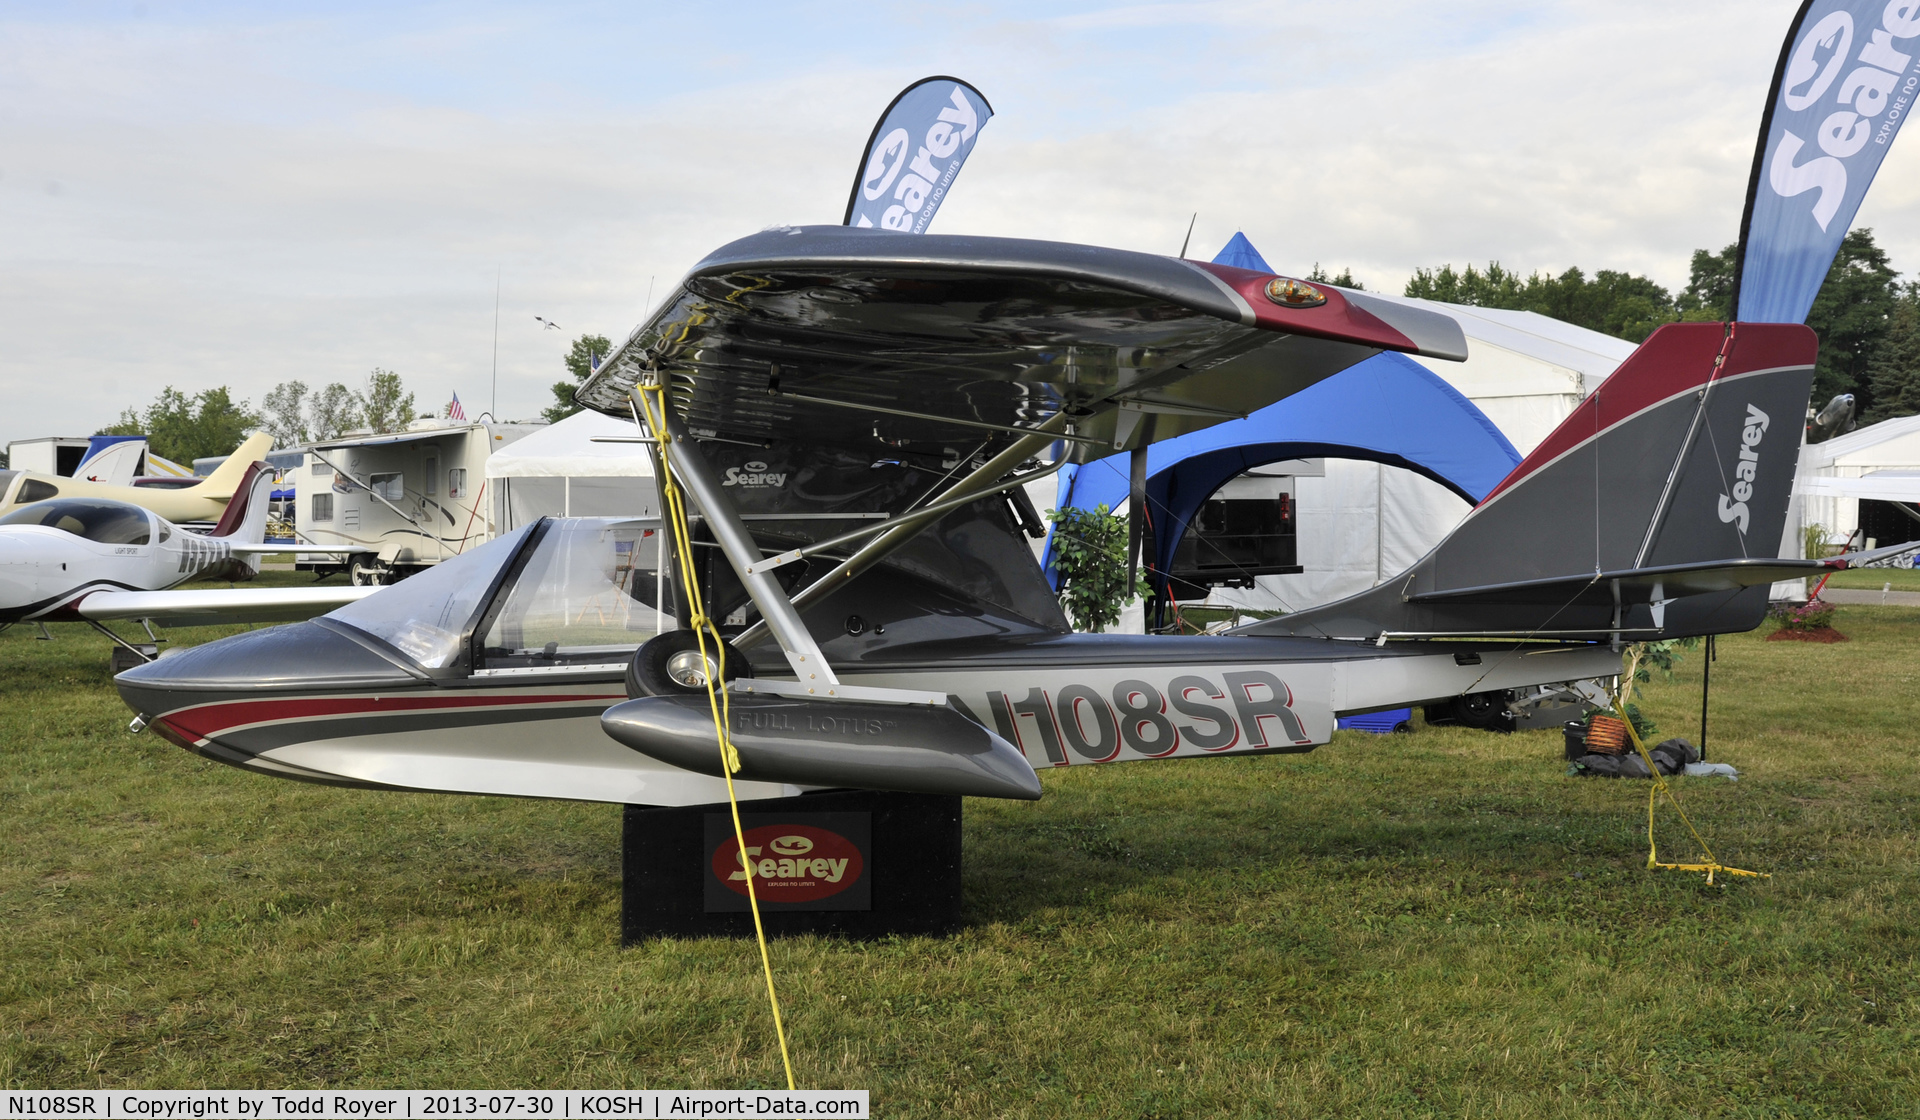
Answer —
(852, 338)
(219, 606)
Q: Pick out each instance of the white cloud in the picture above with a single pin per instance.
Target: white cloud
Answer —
(240, 201)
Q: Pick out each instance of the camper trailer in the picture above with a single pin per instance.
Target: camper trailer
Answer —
(400, 502)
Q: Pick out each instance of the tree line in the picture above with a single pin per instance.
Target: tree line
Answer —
(211, 422)
(1867, 320)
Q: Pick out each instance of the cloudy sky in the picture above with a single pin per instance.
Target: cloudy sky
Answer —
(208, 194)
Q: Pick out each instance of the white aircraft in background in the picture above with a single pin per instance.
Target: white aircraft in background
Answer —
(203, 499)
(94, 559)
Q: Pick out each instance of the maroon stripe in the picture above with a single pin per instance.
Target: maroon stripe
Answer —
(1336, 319)
(1673, 360)
(208, 721)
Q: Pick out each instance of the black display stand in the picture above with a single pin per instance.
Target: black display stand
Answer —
(897, 869)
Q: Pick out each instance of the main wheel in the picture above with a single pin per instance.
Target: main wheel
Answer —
(671, 665)
(365, 571)
(1484, 710)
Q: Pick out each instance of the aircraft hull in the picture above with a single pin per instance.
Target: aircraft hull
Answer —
(308, 703)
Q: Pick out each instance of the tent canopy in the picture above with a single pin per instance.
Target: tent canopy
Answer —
(1387, 409)
(566, 449)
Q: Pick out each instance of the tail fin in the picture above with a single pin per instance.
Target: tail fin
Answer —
(224, 482)
(245, 521)
(1656, 507)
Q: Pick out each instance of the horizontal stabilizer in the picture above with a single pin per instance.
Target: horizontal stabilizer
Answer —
(830, 743)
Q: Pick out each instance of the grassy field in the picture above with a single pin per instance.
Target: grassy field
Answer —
(1439, 923)
(1873, 579)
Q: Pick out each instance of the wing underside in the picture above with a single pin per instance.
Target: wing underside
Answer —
(219, 606)
(860, 339)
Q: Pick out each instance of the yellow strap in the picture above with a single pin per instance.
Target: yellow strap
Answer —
(717, 700)
(1660, 786)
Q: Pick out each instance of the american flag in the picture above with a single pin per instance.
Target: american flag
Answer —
(454, 411)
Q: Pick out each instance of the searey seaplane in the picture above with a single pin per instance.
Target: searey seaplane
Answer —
(848, 413)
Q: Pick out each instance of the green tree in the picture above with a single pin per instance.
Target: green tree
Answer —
(383, 406)
(333, 411)
(1851, 315)
(1344, 280)
(581, 357)
(1893, 371)
(1709, 294)
(1090, 553)
(184, 428)
(1615, 303)
(283, 414)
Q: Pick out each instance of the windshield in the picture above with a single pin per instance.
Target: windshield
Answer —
(103, 522)
(586, 597)
(423, 616)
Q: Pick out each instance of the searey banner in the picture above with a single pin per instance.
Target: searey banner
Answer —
(1846, 81)
(914, 154)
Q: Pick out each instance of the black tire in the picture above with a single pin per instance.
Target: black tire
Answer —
(1484, 710)
(647, 673)
(366, 572)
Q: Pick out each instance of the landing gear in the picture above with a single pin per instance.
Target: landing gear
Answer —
(1486, 711)
(671, 665)
(368, 571)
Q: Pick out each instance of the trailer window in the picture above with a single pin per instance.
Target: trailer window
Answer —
(392, 486)
(457, 482)
(431, 485)
(586, 597)
(323, 507)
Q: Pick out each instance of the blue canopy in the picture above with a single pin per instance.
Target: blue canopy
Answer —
(1388, 409)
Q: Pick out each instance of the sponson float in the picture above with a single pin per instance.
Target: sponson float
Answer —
(852, 412)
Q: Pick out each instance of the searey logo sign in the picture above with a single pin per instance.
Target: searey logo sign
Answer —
(1845, 85)
(1744, 469)
(798, 861)
(916, 151)
(754, 476)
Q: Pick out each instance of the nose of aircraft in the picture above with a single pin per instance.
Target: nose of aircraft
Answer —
(300, 656)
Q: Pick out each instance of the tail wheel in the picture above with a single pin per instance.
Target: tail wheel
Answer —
(671, 665)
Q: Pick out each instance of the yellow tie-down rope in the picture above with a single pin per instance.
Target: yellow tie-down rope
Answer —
(648, 397)
(1712, 866)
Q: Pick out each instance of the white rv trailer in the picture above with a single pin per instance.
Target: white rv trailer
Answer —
(400, 502)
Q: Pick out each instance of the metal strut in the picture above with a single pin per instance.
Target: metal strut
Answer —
(814, 677)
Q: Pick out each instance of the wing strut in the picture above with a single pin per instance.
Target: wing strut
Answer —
(815, 678)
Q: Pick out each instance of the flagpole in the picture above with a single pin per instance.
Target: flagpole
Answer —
(494, 410)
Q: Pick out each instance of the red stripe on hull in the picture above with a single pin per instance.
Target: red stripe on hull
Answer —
(204, 723)
(1674, 359)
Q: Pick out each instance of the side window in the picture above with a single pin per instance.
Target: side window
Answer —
(166, 532)
(432, 471)
(391, 485)
(457, 482)
(323, 507)
(34, 490)
(586, 597)
(319, 468)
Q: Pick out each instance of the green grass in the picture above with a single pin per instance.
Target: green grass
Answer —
(1873, 579)
(1439, 923)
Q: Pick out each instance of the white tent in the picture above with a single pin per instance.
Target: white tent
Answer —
(1361, 523)
(560, 471)
(1880, 462)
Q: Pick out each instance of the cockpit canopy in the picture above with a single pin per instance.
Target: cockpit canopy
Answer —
(561, 592)
(102, 522)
